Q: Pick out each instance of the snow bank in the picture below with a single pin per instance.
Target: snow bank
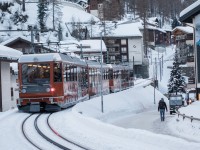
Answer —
(184, 127)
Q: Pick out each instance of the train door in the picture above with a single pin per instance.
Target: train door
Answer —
(57, 78)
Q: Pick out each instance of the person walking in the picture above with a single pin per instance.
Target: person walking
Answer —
(161, 107)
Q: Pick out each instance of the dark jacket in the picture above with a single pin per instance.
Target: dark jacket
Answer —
(162, 105)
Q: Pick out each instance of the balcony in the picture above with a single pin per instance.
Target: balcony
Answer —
(190, 58)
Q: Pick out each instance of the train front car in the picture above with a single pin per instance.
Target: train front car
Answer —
(46, 83)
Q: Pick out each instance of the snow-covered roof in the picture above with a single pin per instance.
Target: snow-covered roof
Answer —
(14, 39)
(153, 21)
(155, 28)
(190, 11)
(127, 30)
(6, 1)
(9, 53)
(87, 46)
(50, 57)
(93, 45)
(184, 29)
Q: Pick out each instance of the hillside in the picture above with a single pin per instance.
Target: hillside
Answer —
(12, 18)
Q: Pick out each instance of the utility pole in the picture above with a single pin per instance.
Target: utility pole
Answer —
(23, 6)
(53, 16)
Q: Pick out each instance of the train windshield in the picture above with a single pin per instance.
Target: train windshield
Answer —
(36, 73)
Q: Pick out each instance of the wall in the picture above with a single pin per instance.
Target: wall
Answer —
(5, 81)
(135, 49)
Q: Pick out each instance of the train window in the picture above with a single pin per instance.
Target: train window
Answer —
(110, 73)
(57, 72)
(36, 73)
(75, 73)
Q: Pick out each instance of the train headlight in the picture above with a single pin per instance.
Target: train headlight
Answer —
(23, 90)
(53, 89)
(48, 89)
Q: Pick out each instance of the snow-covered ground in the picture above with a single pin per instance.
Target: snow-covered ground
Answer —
(130, 121)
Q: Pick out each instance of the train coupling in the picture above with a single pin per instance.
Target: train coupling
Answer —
(35, 107)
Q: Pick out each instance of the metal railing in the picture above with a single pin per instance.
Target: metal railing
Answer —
(188, 117)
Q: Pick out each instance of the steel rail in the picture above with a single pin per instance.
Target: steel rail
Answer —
(45, 137)
(65, 139)
(23, 131)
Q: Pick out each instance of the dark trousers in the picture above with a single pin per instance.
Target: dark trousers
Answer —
(162, 114)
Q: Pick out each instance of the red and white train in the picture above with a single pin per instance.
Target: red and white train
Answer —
(53, 81)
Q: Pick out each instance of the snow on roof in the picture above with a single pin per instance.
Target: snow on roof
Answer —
(9, 53)
(93, 45)
(153, 21)
(126, 30)
(6, 1)
(184, 29)
(15, 38)
(155, 28)
(39, 57)
(189, 8)
(50, 57)
(87, 46)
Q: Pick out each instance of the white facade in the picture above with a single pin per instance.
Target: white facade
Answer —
(136, 50)
(5, 83)
(94, 12)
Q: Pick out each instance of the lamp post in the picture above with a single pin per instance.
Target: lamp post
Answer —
(101, 77)
(81, 51)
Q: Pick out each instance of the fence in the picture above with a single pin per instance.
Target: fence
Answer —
(188, 117)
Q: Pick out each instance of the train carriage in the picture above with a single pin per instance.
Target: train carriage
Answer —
(50, 82)
(126, 77)
(94, 71)
(115, 78)
(120, 77)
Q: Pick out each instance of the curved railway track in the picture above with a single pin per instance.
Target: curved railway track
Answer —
(41, 133)
(65, 139)
(24, 133)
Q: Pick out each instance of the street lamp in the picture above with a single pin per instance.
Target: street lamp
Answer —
(101, 76)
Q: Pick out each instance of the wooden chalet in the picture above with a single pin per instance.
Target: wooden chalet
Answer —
(26, 46)
(191, 15)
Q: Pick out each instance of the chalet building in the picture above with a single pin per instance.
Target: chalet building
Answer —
(7, 55)
(26, 46)
(125, 46)
(156, 37)
(183, 38)
(191, 15)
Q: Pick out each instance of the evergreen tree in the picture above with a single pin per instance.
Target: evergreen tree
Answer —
(42, 9)
(175, 23)
(176, 81)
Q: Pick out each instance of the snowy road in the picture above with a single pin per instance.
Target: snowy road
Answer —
(150, 121)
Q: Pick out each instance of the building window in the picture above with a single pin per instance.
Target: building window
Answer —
(112, 58)
(124, 50)
(111, 49)
(100, 6)
(124, 58)
(123, 42)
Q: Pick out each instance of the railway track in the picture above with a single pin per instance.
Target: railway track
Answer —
(61, 142)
